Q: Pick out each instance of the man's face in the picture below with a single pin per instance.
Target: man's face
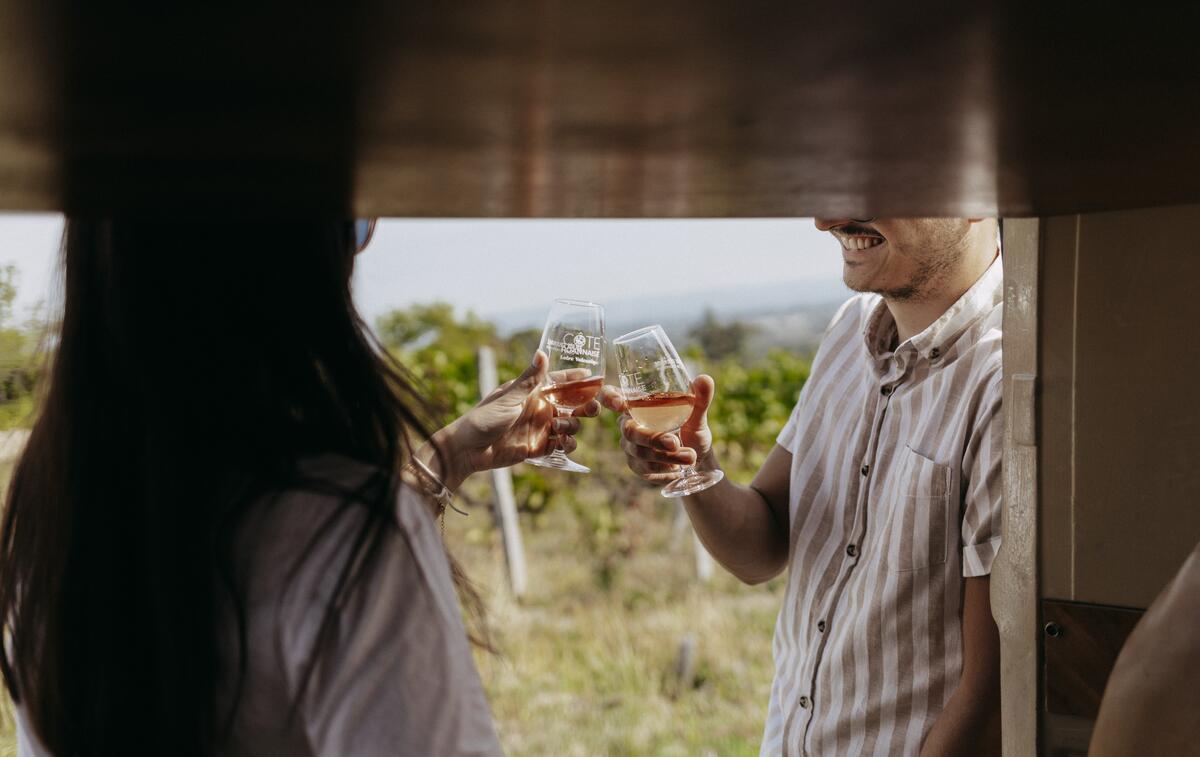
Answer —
(904, 259)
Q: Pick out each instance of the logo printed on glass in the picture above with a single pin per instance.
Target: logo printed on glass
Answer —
(578, 348)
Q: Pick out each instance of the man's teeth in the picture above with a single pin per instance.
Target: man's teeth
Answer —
(861, 243)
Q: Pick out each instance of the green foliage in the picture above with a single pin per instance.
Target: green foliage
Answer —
(19, 373)
(8, 292)
(752, 404)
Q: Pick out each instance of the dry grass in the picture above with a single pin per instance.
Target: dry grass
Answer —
(587, 659)
(590, 670)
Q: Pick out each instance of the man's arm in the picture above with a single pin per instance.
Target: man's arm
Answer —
(970, 724)
(744, 527)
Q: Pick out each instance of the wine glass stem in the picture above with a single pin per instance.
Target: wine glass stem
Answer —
(558, 453)
(687, 471)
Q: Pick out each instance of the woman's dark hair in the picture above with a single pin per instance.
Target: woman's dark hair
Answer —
(198, 361)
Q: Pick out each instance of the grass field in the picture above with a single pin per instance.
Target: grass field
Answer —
(590, 670)
(587, 661)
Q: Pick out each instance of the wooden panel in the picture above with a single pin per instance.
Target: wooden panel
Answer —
(1056, 349)
(1081, 645)
(1137, 421)
(1067, 736)
(600, 108)
(1014, 582)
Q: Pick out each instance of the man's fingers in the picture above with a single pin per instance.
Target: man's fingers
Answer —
(645, 468)
(681, 456)
(611, 397)
(590, 410)
(704, 388)
(660, 478)
(640, 435)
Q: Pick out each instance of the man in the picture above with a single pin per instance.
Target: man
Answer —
(882, 497)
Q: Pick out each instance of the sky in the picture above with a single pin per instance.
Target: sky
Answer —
(510, 268)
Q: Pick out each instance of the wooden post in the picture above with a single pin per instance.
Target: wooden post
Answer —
(505, 506)
(685, 666)
(1014, 582)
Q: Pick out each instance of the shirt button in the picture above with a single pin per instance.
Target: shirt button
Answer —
(935, 353)
(804, 702)
(865, 469)
(851, 550)
(821, 626)
(886, 391)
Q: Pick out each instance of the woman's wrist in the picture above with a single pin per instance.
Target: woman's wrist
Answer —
(452, 466)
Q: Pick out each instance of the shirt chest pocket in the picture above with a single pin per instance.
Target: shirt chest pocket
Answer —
(917, 529)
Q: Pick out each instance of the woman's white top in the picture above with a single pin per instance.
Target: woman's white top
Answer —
(396, 678)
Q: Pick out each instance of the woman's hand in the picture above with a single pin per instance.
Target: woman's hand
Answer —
(511, 424)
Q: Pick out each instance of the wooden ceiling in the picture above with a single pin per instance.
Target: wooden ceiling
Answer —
(611, 108)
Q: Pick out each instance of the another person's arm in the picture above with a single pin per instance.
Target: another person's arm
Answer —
(1152, 697)
(744, 527)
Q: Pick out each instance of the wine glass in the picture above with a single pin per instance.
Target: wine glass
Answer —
(658, 393)
(573, 340)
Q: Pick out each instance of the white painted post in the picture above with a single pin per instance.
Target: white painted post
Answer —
(505, 504)
(704, 561)
(682, 525)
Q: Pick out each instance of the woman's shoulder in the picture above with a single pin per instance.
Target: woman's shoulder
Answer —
(295, 538)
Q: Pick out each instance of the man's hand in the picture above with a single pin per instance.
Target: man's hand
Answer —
(657, 457)
(511, 424)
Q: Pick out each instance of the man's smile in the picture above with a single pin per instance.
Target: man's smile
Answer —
(858, 241)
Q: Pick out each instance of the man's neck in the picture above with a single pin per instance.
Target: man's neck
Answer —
(914, 316)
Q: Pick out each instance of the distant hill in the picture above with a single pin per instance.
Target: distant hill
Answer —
(790, 315)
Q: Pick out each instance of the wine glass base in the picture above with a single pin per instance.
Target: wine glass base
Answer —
(697, 482)
(558, 462)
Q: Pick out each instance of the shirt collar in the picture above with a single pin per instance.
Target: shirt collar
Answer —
(984, 295)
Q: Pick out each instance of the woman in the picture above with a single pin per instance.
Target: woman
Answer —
(220, 538)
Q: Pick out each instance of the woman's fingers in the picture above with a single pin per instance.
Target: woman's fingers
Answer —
(565, 426)
(569, 374)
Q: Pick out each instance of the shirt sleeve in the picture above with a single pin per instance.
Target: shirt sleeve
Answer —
(983, 503)
(399, 677)
(787, 437)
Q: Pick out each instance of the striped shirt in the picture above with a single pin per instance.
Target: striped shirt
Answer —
(894, 498)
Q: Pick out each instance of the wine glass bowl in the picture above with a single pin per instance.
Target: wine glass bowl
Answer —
(657, 390)
(574, 344)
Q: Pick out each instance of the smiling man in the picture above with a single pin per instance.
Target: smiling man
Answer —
(881, 497)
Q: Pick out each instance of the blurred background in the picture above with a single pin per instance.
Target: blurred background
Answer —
(626, 640)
